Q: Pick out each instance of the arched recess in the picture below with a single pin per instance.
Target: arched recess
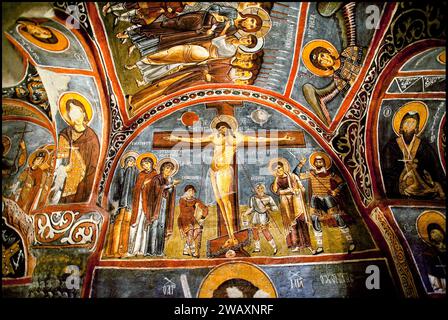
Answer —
(14, 108)
(259, 90)
(99, 29)
(380, 93)
(79, 63)
(381, 202)
(25, 130)
(23, 121)
(318, 140)
(293, 111)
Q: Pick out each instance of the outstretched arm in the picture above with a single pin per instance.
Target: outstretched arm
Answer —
(22, 154)
(188, 139)
(286, 137)
(298, 170)
(275, 185)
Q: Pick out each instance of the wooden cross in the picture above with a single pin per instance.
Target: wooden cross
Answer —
(228, 108)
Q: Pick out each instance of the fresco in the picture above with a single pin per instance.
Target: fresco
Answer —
(425, 230)
(31, 90)
(27, 161)
(330, 64)
(49, 43)
(279, 222)
(28, 157)
(78, 121)
(223, 149)
(194, 44)
(299, 281)
(409, 151)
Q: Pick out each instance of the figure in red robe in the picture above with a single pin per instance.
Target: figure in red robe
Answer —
(160, 216)
(140, 207)
(31, 181)
(190, 227)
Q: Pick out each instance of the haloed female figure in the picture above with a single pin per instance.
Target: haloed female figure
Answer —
(161, 197)
(140, 205)
(79, 151)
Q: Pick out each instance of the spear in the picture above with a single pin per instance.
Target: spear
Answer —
(22, 133)
(201, 227)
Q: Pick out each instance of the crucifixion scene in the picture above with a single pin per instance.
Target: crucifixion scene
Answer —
(233, 191)
(224, 150)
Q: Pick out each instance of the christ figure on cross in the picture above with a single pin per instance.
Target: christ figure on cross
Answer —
(225, 140)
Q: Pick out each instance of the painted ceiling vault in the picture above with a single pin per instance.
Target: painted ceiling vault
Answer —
(223, 149)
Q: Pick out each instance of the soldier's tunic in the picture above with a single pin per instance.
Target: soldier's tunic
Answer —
(325, 205)
(187, 220)
(351, 59)
(261, 206)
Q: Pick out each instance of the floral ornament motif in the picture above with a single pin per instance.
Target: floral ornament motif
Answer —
(118, 135)
(397, 251)
(78, 13)
(66, 228)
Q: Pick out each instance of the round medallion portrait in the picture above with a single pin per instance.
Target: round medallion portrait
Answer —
(44, 37)
(237, 280)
